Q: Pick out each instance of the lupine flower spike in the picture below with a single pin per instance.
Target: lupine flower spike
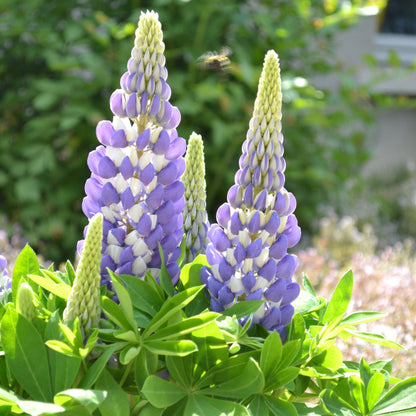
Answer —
(194, 213)
(84, 299)
(5, 280)
(136, 171)
(248, 246)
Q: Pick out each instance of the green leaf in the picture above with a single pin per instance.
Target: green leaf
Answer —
(124, 299)
(289, 352)
(208, 406)
(26, 263)
(271, 354)
(401, 397)
(282, 377)
(357, 389)
(279, 407)
(143, 296)
(336, 406)
(306, 302)
(171, 307)
(242, 309)
(190, 273)
(309, 409)
(39, 408)
(212, 348)
(90, 399)
(331, 358)
(26, 355)
(8, 397)
(250, 381)
(357, 318)
(307, 285)
(374, 389)
(224, 370)
(116, 314)
(181, 369)
(185, 326)
(146, 364)
(97, 367)
(258, 406)
(59, 289)
(178, 348)
(374, 338)
(117, 401)
(64, 369)
(162, 393)
(340, 299)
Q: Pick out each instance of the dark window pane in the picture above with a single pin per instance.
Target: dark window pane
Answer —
(400, 17)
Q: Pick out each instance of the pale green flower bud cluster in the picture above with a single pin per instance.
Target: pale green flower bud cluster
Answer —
(84, 299)
(194, 214)
(25, 304)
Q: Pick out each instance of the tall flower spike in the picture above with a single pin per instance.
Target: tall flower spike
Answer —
(5, 280)
(194, 213)
(136, 171)
(84, 299)
(248, 246)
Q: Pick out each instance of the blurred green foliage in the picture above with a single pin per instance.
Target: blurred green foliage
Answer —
(60, 62)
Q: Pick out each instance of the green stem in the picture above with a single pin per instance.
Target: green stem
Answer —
(126, 372)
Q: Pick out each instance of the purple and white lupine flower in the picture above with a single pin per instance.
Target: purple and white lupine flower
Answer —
(5, 279)
(195, 214)
(248, 246)
(136, 171)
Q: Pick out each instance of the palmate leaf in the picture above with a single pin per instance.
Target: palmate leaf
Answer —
(162, 393)
(208, 406)
(26, 355)
(336, 406)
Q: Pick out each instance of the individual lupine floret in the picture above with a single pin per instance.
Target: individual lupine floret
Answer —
(84, 299)
(195, 214)
(136, 171)
(5, 280)
(248, 246)
(25, 303)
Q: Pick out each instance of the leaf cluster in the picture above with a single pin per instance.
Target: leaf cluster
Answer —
(160, 351)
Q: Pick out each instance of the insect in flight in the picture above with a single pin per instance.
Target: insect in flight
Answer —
(217, 62)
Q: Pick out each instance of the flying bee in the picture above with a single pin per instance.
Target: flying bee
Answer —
(217, 62)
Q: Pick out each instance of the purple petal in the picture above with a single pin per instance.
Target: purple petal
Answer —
(168, 243)
(225, 270)
(257, 295)
(154, 108)
(223, 215)
(292, 292)
(287, 312)
(155, 198)
(205, 274)
(131, 109)
(126, 268)
(118, 139)
(144, 226)
(215, 306)
(272, 318)
(219, 239)
(268, 271)
(127, 199)
(116, 103)
(104, 131)
(127, 255)
(249, 280)
(260, 200)
(173, 270)
(143, 139)
(254, 248)
(154, 237)
(174, 191)
(276, 290)
(273, 224)
(214, 286)
(254, 224)
(248, 195)
(119, 234)
(287, 266)
(94, 158)
(143, 103)
(213, 256)
(279, 248)
(162, 143)
(147, 174)
(93, 188)
(235, 224)
(240, 253)
(165, 212)
(234, 197)
(106, 168)
(168, 174)
(172, 225)
(225, 296)
(174, 120)
(126, 168)
(90, 207)
(176, 149)
(167, 113)
(109, 195)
